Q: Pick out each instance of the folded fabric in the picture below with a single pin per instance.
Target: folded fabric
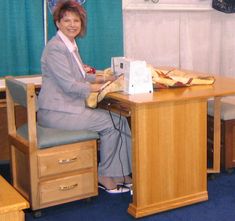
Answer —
(177, 78)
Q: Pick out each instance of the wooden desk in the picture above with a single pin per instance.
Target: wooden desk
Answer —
(169, 144)
(11, 203)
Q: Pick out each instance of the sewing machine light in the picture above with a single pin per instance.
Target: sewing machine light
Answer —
(117, 65)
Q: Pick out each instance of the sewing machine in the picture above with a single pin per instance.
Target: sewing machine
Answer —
(137, 77)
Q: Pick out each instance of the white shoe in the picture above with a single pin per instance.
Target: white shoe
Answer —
(118, 189)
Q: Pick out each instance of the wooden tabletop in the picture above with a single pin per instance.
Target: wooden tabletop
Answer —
(35, 79)
(10, 199)
(223, 86)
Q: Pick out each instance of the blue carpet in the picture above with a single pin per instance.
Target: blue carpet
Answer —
(106, 207)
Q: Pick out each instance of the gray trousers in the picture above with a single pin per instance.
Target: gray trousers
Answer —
(114, 132)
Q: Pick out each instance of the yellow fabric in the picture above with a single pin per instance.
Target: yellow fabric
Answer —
(96, 97)
(177, 78)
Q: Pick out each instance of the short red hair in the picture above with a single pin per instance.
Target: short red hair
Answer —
(70, 6)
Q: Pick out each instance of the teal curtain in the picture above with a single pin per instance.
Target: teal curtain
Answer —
(22, 38)
(104, 37)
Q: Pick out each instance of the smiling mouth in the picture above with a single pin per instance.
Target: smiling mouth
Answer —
(73, 30)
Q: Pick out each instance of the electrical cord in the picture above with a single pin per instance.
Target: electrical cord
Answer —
(119, 143)
(120, 138)
(121, 125)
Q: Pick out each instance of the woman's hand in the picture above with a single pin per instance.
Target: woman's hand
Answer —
(105, 78)
(96, 87)
(110, 78)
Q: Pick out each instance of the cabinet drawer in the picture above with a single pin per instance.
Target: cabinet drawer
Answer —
(76, 186)
(66, 159)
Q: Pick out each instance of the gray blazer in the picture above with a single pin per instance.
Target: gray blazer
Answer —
(63, 86)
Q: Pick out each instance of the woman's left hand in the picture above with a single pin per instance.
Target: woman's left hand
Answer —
(110, 78)
(104, 78)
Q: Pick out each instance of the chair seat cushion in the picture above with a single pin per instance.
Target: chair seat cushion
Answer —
(227, 110)
(49, 137)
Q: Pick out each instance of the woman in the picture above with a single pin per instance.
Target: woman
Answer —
(66, 85)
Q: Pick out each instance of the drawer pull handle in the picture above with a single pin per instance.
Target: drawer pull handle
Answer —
(64, 188)
(69, 160)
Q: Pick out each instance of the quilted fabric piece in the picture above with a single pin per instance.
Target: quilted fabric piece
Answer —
(177, 78)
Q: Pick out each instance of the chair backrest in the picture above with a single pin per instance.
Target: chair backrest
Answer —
(17, 90)
(19, 93)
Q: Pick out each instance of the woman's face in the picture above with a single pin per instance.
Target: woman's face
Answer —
(70, 25)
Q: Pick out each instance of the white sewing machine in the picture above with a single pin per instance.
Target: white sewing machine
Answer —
(137, 77)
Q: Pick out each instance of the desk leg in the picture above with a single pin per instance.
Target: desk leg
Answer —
(217, 137)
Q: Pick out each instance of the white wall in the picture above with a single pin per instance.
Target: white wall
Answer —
(188, 37)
